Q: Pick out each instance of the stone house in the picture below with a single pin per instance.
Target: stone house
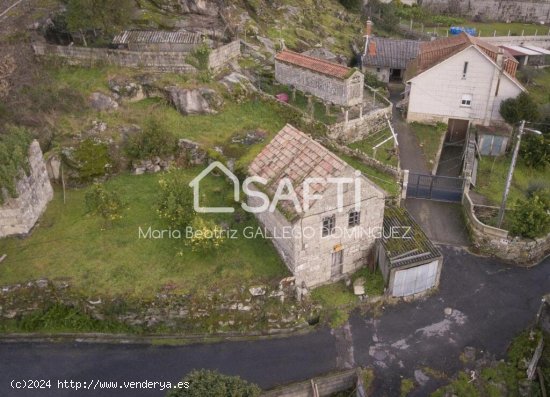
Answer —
(331, 238)
(410, 263)
(460, 80)
(156, 40)
(328, 81)
(18, 215)
(386, 58)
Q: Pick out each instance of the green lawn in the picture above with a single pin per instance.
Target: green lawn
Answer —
(68, 244)
(429, 138)
(382, 179)
(386, 153)
(491, 177)
(538, 88)
(483, 28)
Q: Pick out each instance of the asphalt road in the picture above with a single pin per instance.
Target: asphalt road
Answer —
(487, 304)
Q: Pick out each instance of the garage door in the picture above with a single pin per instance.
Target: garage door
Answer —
(415, 280)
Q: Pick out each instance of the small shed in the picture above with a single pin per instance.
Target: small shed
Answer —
(410, 263)
(157, 40)
(492, 140)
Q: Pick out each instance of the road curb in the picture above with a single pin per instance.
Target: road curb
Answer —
(164, 339)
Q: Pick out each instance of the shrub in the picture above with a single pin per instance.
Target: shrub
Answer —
(535, 151)
(207, 236)
(14, 145)
(153, 140)
(523, 107)
(104, 203)
(352, 5)
(213, 384)
(91, 159)
(175, 203)
(531, 218)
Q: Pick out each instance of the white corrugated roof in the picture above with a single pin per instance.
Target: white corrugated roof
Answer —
(156, 36)
(538, 49)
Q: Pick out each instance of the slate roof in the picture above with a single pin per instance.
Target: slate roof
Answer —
(156, 36)
(314, 64)
(390, 53)
(402, 251)
(433, 52)
(294, 155)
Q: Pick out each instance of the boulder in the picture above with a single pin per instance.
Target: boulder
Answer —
(102, 102)
(258, 290)
(234, 80)
(127, 89)
(202, 7)
(194, 101)
(359, 286)
(193, 152)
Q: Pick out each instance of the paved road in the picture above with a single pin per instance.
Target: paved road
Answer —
(490, 303)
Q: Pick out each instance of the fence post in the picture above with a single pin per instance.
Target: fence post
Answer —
(405, 184)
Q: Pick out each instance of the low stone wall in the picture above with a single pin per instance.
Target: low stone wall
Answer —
(359, 128)
(220, 56)
(326, 386)
(155, 61)
(498, 242)
(19, 215)
(370, 161)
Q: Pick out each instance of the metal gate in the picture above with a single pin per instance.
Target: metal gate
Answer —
(435, 187)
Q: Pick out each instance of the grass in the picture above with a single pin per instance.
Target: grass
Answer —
(386, 153)
(483, 28)
(382, 179)
(338, 300)
(538, 87)
(491, 177)
(68, 244)
(429, 138)
(407, 386)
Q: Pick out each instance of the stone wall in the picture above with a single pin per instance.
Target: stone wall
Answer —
(396, 172)
(502, 10)
(348, 92)
(498, 242)
(19, 215)
(359, 128)
(220, 56)
(155, 61)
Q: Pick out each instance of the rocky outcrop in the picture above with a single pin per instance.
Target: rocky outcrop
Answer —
(202, 7)
(102, 102)
(34, 192)
(124, 88)
(194, 101)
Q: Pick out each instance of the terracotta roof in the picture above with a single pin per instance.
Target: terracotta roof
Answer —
(391, 53)
(294, 155)
(433, 52)
(156, 36)
(314, 64)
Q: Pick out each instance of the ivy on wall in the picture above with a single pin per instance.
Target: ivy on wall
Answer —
(14, 146)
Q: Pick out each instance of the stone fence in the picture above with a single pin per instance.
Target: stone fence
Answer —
(359, 128)
(499, 243)
(324, 386)
(34, 192)
(394, 171)
(161, 61)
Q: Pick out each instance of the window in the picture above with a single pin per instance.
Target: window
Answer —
(465, 70)
(354, 218)
(329, 223)
(466, 100)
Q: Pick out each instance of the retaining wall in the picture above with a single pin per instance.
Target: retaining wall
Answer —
(34, 192)
(359, 128)
(499, 243)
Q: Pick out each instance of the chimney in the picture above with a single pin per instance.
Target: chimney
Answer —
(368, 28)
(372, 48)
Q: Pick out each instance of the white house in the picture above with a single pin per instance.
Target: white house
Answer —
(460, 80)
(330, 238)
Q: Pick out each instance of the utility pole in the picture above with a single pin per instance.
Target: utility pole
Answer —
(510, 175)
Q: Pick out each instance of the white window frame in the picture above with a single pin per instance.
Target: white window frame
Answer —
(466, 100)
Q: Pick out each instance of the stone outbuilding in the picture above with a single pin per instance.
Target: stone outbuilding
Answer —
(331, 238)
(387, 59)
(328, 81)
(410, 263)
(157, 40)
(492, 140)
(18, 215)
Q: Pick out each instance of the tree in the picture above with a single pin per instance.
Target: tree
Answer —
(530, 218)
(105, 16)
(523, 107)
(535, 151)
(175, 203)
(104, 203)
(213, 384)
